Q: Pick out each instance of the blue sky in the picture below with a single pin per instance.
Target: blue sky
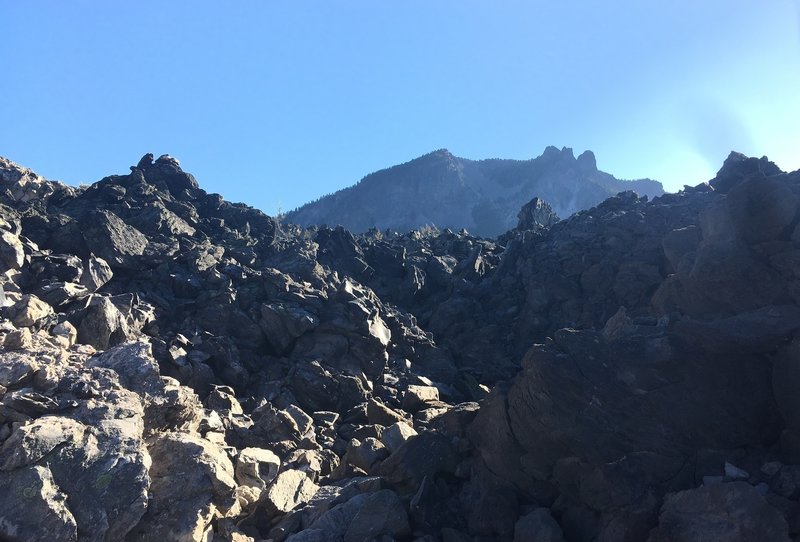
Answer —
(276, 103)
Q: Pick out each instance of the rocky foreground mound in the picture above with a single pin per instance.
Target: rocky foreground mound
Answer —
(176, 367)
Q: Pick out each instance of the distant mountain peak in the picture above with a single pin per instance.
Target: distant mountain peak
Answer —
(437, 156)
(587, 161)
(551, 152)
(483, 196)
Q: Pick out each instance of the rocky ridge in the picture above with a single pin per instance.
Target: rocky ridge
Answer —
(174, 366)
(483, 196)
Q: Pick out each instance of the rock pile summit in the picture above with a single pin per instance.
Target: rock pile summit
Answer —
(177, 367)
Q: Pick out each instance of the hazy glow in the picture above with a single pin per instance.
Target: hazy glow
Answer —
(276, 103)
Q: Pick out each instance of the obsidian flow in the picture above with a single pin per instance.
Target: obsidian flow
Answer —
(174, 366)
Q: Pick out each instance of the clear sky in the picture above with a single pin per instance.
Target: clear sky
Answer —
(276, 103)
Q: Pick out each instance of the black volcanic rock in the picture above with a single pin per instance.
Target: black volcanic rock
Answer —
(627, 373)
(536, 214)
(484, 196)
(737, 167)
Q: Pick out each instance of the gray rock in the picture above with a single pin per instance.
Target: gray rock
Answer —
(17, 368)
(680, 243)
(735, 473)
(31, 311)
(303, 421)
(96, 273)
(785, 378)
(67, 332)
(282, 324)
(363, 517)
(192, 482)
(695, 515)
(315, 463)
(33, 507)
(290, 489)
(177, 408)
(12, 255)
(424, 455)
(416, 397)
(329, 496)
(19, 339)
(94, 449)
(738, 167)
(134, 363)
(536, 214)
(256, 467)
(787, 482)
(380, 514)
(61, 293)
(103, 325)
(538, 525)
(113, 240)
(33, 441)
(277, 429)
(380, 414)
(537, 422)
(365, 455)
(222, 398)
(394, 436)
(762, 207)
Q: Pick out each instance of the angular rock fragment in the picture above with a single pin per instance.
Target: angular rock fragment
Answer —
(289, 489)
(192, 483)
(32, 507)
(694, 515)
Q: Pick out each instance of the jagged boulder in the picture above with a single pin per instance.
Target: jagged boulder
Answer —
(79, 451)
(33, 507)
(192, 483)
(538, 525)
(112, 239)
(694, 515)
(103, 325)
(737, 166)
(647, 405)
(535, 215)
(12, 255)
(368, 516)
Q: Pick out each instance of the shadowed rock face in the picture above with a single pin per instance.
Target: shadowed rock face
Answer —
(174, 366)
(483, 196)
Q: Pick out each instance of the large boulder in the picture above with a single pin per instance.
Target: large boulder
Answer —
(369, 516)
(535, 215)
(618, 421)
(33, 507)
(110, 238)
(731, 512)
(288, 490)
(81, 449)
(257, 467)
(103, 325)
(737, 167)
(538, 525)
(424, 455)
(12, 255)
(192, 483)
(31, 311)
(762, 208)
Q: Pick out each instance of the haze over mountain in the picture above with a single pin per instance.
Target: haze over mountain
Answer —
(483, 196)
